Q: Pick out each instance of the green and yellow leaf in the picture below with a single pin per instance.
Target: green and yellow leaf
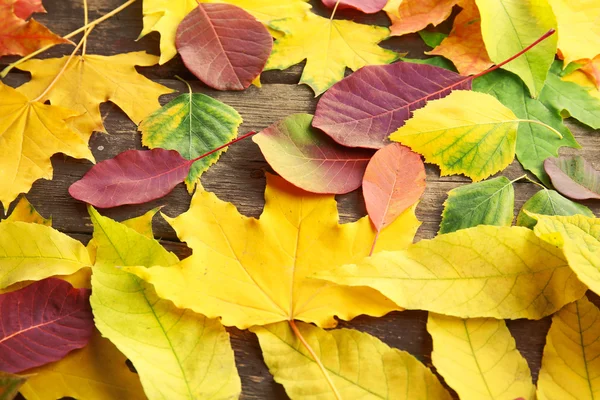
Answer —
(549, 202)
(25, 212)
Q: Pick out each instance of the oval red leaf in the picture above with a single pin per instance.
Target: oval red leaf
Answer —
(573, 177)
(42, 323)
(366, 6)
(309, 159)
(132, 177)
(363, 109)
(394, 181)
(223, 45)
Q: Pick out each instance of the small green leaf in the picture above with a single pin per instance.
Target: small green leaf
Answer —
(432, 39)
(193, 124)
(436, 61)
(489, 202)
(549, 202)
(10, 384)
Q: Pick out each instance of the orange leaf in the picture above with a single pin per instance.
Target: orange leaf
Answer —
(464, 46)
(592, 70)
(414, 15)
(24, 8)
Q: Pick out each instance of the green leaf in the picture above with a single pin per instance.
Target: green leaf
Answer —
(432, 39)
(509, 26)
(570, 98)
(437, 61)
(359, 365)
(10, 384)
(178, 354)
(549, 202)
(490, 202)
(193, 124)
(535, 143)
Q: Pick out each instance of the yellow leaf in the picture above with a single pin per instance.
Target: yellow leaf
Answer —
(359, 365)
(178, 354)
(478, 358)
(466, 133)
(164, 16)
(30, 133)
(578, 236)
(328, 46)
(571, 362)
(91, 80)
(254, 272)
(31, 252)
(485, 271)
(25, 212)
(578, 28)
(96, 372)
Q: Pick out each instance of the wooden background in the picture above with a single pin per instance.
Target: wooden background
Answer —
(238, 177)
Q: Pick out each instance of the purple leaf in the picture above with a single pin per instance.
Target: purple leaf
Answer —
(366, 6)
(42, 323)
(223, 45)
(132, 177)
(363, 109)
(574, 177)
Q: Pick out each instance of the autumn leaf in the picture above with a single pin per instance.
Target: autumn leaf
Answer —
(508, 27)
(394, 180)
(30, 133)
(486, 271)
(478, 358)
(535, 143)
(164, 16)
(24, 8)
(41, 323)
(464, 46)
(10, 385)
(90, 80)
(154, 334)
(312, 37)
(309, 159)
(577, 236)
(549, 202)
(574, 177)
(366, 6)
(192, 124)
(570, 362)
(415, 15)
(466, 132)
(21, 37)
(25, 212)
(592, 70)
(394, 92)
(31, 252)
(578, 29)
(223, 46)
(255, 272)
(489, 202)
(359, 365)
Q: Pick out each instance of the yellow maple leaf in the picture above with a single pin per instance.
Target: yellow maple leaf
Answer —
(90, 80)
(329, 46)
(256, 271)
(485, 271)
(25, 212)
(30, 133)
(478, 358)
(578, 28)
(164, 16)
(571, 361)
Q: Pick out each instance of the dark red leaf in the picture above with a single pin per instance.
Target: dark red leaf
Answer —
(366, 6)
(42, 323)
(132, 177)
(223, 45)
(574, 177)
(363, 109)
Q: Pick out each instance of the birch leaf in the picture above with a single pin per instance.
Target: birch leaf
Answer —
(549, 202)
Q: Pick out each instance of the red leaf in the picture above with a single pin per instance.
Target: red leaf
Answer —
(574, 177)
(24, 8)
(43, 322)
(132, 177)
(223, 45)
(366, 6)
(394, 181)
(309, 159)
(363, 109)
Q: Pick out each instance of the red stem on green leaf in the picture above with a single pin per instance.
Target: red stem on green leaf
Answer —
(222, 147)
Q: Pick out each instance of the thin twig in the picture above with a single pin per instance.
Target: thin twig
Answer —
(85, 22)
(337, 3)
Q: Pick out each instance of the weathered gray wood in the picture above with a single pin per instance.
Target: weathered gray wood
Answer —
(239, 175)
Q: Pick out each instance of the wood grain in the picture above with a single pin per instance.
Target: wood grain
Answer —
(239, 176)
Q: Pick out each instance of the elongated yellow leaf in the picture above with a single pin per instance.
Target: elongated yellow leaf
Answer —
(178, 354)
(571, 361)
(578, 236)
(359, 365)
(31, 252)
(466, 133)
(486, 271)
(25, 212)
(478, 358)
(254, 272)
